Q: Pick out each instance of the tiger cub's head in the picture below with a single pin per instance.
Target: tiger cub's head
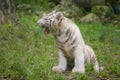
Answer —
(50, 21)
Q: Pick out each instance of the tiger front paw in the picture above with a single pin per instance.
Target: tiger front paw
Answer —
(58, 69)
(78, 70)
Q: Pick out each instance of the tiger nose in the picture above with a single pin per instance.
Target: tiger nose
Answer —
(40, 22)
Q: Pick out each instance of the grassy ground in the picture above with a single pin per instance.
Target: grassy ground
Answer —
(27, 54)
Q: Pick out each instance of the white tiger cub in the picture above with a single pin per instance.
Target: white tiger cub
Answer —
(69, 41)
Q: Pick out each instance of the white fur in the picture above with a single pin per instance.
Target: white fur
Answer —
(62, 63)
(79, 55)
(78, 52)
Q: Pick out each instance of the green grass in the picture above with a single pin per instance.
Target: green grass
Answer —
(27, 54)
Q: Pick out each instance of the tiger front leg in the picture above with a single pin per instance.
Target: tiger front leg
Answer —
(79, 65)
(61, 67)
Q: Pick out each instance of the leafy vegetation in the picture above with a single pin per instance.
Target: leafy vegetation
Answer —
(27, 54)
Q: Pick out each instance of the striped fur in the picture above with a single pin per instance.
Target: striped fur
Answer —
(69, 41)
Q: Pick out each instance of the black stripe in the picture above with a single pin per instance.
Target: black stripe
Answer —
(60, 21)
(53, 22)
(50, 22)
(73, 41)
(59, 32)
(68, 34)
(71, 35)
(60, 48)
(68, 31)
(66, 40)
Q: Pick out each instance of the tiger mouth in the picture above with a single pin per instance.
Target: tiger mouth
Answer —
(46, 31)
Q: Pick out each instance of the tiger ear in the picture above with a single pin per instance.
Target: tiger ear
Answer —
(44, 14)
(55, 10)
(59, 15)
